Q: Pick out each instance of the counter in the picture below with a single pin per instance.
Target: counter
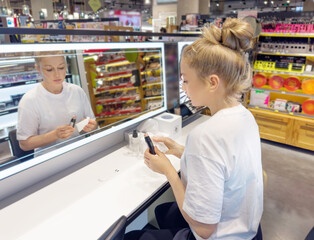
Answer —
(85, 203)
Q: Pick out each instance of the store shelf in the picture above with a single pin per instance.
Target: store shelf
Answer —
(153, 98)
(108, 89)
(119, 112)
(151, 84)
(118, 100)
(283, 91)
(111, 62)
(289, 73)
(284, 112)
(115, 90)
(8, 110)
(19, 83)
(121, 116)
(287, 54)
(112, 74)
(287, 34)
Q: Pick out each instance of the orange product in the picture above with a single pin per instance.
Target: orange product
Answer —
(292, 83)
(308, 86)
(308, 107)
(259, 80)
(276, 82)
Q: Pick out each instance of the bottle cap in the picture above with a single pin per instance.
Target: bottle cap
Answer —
(135, 135)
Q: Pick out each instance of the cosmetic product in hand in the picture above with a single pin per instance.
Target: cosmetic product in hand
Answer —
(150, 144)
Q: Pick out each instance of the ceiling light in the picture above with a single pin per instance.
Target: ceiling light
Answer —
(147, 2)
(265, 2)
(288, 1)
(272, 2)
(217, 4)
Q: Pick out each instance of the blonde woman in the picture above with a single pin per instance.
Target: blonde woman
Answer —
(45, 112)
(220, 193)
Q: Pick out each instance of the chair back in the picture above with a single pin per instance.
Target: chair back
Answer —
(15, 146)
(116, 230)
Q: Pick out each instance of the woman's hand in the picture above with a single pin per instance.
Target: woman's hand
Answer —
(158, 163)
(64, 132)
(92, 125)
(174, 148)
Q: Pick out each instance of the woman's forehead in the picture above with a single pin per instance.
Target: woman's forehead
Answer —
(55, 60)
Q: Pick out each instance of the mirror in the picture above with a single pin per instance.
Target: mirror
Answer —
(42, 92)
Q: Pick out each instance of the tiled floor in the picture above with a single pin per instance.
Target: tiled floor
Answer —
(289, 194)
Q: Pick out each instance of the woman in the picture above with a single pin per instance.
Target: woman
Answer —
(44, 113)
(220, 193)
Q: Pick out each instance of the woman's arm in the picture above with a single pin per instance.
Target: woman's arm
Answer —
(201, 229)
(161, 164)
(62, 132)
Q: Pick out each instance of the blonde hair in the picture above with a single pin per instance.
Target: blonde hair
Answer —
(43, 54)
(221, 52)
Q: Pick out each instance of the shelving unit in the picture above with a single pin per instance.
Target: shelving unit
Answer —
(276, 122)
(122, 85)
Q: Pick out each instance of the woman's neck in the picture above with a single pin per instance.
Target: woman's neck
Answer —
(54, 90)
(219, 105)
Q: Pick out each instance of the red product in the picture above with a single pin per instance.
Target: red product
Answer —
(259, 80)
(276, 82)
(292, 83)
(308, 107)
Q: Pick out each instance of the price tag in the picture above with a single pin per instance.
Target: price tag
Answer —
(256, 107)
(276, 110)
(94, 4)
(291, 113)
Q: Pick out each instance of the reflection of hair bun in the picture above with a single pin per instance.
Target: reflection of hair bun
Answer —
(237, 34)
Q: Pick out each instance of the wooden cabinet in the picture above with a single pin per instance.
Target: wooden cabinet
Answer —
(304, 134)
(283, 128)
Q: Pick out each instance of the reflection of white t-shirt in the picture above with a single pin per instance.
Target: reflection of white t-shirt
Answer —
(222, 171)
(40, 111)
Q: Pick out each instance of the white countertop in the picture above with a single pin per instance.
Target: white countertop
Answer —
(85, 203)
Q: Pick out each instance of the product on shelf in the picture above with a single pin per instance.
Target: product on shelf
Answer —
(308, 107)
(259, 98)
(280, 104)
(292, 83)
(293, 107)
(259, 80)
(276, 82)
(308, 86)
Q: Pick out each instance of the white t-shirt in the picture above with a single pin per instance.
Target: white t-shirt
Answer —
(40, 111)
(222, 171)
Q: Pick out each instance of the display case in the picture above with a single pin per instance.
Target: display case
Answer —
(283, 88)
(124, 82)
(118, 99)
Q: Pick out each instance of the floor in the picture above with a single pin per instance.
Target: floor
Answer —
(289, 193)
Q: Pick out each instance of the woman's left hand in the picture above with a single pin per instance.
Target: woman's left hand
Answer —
(92, 125)
(158, 163)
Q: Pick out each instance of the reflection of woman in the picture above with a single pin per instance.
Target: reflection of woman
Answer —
(44, 113)
(220, 193)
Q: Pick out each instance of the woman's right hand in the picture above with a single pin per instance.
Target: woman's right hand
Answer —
(64, 132)
(174, 148)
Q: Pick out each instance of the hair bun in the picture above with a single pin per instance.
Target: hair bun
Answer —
(212, 34)
(237, 34)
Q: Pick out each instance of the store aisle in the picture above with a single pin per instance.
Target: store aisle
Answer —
(289, 195)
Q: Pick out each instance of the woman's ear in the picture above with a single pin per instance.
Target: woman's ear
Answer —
(213, 82)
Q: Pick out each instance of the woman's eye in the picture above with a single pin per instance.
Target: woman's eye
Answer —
(48, 70)
(61, 68)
